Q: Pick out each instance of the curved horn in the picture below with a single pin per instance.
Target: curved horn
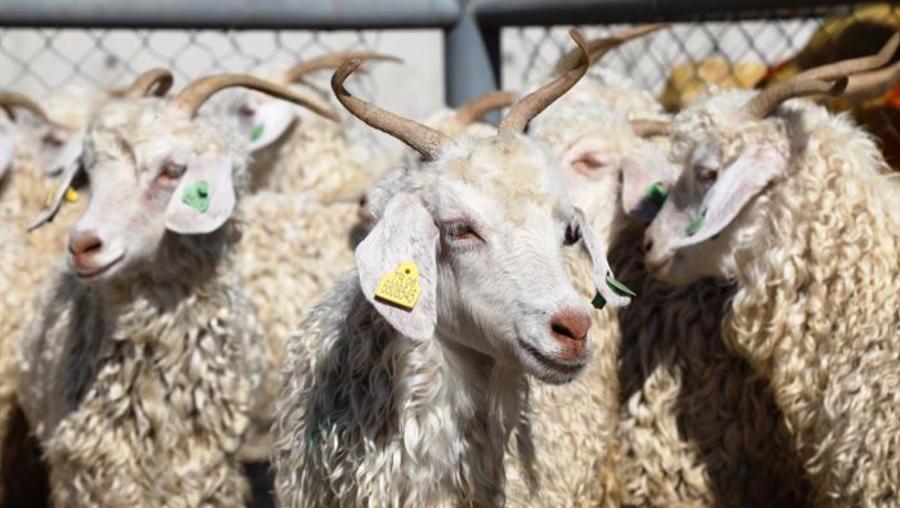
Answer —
(765, 102)
(423, 139)
(649, 128)
(476, 108)
(10, 100)
(872, 84)
(332, 61)
(155, 82)
(600, 46)
(854, 65)
(532, 104)
(198, 91)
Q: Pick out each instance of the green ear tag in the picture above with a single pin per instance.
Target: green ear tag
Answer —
(197, 196)
(257, 132)
(619, 288)
(598, 302)
(656, 194)
(696, 224)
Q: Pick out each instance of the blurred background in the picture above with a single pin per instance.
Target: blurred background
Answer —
(453, 49)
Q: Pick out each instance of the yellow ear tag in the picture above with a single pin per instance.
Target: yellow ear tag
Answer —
(400, 287)
(71, 195)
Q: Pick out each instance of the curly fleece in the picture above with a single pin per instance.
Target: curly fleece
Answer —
(818, 306)
(140, 391)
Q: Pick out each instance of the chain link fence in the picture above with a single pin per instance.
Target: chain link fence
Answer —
(676, 63)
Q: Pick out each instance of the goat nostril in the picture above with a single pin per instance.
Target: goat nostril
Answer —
(85, 243)
(570, 325)
(648, 244)
(559, 329)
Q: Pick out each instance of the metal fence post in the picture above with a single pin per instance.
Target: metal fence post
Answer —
(471, 59)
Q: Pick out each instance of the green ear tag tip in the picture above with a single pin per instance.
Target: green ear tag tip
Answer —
(656, 194)
(196, 196)
(619, 288)
(598, 302)
(696, 224)
(256, 133)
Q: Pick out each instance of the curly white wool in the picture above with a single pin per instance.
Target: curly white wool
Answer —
(818, 287)
(140, 391)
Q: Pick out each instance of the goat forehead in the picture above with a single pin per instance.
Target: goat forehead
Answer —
(509, 169)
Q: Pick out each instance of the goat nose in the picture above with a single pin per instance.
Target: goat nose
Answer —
(84, 243)
(648, 244)
(570, 325)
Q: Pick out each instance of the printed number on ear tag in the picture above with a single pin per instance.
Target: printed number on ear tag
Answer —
(256, 132)
(400, 287)
(197, 196)
(656, 194)
(620, 289)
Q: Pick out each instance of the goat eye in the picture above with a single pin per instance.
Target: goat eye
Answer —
(573, 234)
(462, 231)
(707, 176)
(170, 172)
(52, 140)
(246, 110)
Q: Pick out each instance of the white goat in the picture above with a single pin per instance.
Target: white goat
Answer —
(139, 373)
(797, 207)
(411, 403)
(27, 258)
(296, 151)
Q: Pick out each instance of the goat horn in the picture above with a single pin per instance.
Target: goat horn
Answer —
(765, 102)
(476, 108)
(198, 91)
(10, 100)
(872, 84)
(332, 61)
(854, 65)
(600, 46)
(421, 138)
(155, 82)
(649, 128)
(532, 104)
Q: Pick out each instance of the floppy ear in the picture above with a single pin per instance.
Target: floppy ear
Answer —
(405, 233)
(69, 179)
(68, 154)
(737, 184)
(7, 150)
(271, 120)
(204, 198)
(588, 157)
(646, 180)
(604, 280)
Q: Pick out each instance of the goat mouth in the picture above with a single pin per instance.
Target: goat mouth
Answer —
(569, 369)
(93, 273)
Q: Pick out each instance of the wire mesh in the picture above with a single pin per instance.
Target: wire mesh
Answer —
(42, 61)
(686, 59)
(676, 63)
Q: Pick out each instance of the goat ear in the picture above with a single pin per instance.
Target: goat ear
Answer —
(604, 280)
(69, 179)
(204, 198)
(646, 180)
(271, 120)
(405, 237)
(737, 184)
(7, 149)
(588, 157)
(62, 158)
